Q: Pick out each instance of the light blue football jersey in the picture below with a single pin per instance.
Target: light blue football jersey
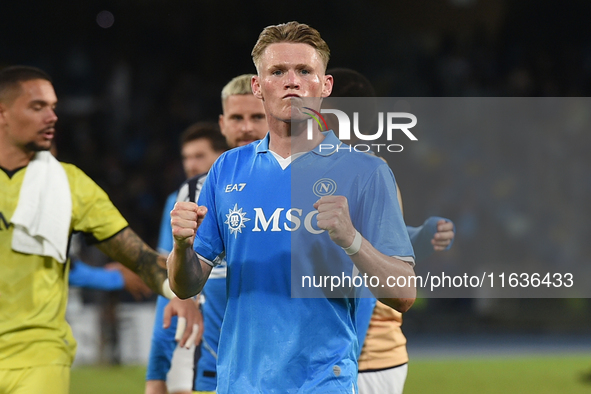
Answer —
(261, 218)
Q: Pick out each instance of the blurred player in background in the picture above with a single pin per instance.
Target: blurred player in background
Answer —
(171, 367)
(242, 122)
(113, 276)
(42, 202)
(383, 362)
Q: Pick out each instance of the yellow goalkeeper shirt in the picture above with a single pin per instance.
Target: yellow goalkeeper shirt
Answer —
(34, 289)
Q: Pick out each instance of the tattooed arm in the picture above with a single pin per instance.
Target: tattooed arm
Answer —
(128, 248)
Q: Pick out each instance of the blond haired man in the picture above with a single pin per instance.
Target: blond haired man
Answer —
(271, 342)
(243, 118)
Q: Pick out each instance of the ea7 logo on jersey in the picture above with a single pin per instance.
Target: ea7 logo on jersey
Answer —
(235, 220)
(324, 187)
(236, 187)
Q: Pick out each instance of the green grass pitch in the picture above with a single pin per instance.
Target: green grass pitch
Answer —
(545, 374)
(556, 374)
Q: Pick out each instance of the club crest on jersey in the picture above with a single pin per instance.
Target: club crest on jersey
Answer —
(235, 220)
(324, 187)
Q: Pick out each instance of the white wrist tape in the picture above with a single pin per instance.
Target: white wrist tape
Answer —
(166, 290)
(355, 246)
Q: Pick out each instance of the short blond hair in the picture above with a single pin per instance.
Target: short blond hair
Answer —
(294, 32)
(239, 85)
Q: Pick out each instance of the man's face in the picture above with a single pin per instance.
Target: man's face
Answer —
(289, 70)
(198, 156)
(243, 120)
(29, 120)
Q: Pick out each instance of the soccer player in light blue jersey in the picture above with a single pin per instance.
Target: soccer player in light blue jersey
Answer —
(255, 205)
(244, 117)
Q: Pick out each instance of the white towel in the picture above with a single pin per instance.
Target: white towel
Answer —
(44, 211)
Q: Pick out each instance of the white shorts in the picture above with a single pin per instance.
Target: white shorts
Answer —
(385, 381)
(181, 376)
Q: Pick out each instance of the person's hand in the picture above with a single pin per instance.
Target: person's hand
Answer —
(190, 321)
(333, 216)
(132, 282)
(443, 236)
(185, 218)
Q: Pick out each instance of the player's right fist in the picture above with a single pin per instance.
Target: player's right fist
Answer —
(185, 219)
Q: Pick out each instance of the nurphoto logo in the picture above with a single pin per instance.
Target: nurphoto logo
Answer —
(388, 121)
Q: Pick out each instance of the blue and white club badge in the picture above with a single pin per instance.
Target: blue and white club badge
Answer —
(324, 187)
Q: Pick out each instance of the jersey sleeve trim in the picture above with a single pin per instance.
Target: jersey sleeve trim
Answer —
(91, 239)
(215, 262)
(207, 261)
(407, 259)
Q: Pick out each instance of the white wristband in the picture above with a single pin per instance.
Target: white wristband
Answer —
(166, 290)
(355, 246)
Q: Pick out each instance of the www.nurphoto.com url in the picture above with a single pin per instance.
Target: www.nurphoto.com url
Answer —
(441, 280)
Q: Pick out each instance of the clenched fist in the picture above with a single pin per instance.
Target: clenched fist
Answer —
(333, 216)
(185, 219)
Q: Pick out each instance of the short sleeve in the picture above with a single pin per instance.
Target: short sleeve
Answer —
(93, 213)
(380, 217)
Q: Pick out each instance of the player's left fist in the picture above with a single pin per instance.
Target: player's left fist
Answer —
(333, 216)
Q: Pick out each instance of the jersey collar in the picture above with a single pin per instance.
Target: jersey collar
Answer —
(263, 145)
(327, 147)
